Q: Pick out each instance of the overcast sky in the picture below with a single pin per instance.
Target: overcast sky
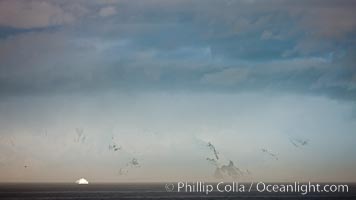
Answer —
(163, 78)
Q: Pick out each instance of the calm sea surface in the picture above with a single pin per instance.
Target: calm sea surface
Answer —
(143, 191)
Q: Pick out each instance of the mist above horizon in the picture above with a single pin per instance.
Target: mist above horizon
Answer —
(62, 138)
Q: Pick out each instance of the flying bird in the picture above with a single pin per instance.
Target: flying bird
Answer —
(221, 170)
(131, 164)
(212, 161)
(134, 163)
(299, 142)
(80, 135)
(114, 146)
(212, 147)
(123, 171)
(269, 153)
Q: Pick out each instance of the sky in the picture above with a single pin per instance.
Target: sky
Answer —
(131, 91)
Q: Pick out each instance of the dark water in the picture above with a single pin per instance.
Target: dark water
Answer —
(143, 191)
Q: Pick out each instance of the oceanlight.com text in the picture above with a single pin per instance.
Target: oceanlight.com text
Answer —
(222, 187)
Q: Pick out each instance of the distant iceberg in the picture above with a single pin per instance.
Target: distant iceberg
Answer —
(82, 181)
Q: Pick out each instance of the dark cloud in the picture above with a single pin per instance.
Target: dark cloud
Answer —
(304, 46)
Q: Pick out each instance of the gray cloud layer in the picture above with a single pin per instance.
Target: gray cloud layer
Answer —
(67, 46)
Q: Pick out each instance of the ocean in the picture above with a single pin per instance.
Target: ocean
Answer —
(54, 191)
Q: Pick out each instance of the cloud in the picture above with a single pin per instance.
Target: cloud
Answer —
(175, 44)
(269, 35)
(107, 11)
(226, 77)
(331, 19)
(44, 61)
(33, 14)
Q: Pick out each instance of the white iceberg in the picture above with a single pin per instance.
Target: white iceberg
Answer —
(82, 181)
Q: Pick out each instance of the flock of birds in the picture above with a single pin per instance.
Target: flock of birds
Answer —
(222, 169)
(112, 146)
(296, 142)
(132, 163)
(80, 138)
(229, 170)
